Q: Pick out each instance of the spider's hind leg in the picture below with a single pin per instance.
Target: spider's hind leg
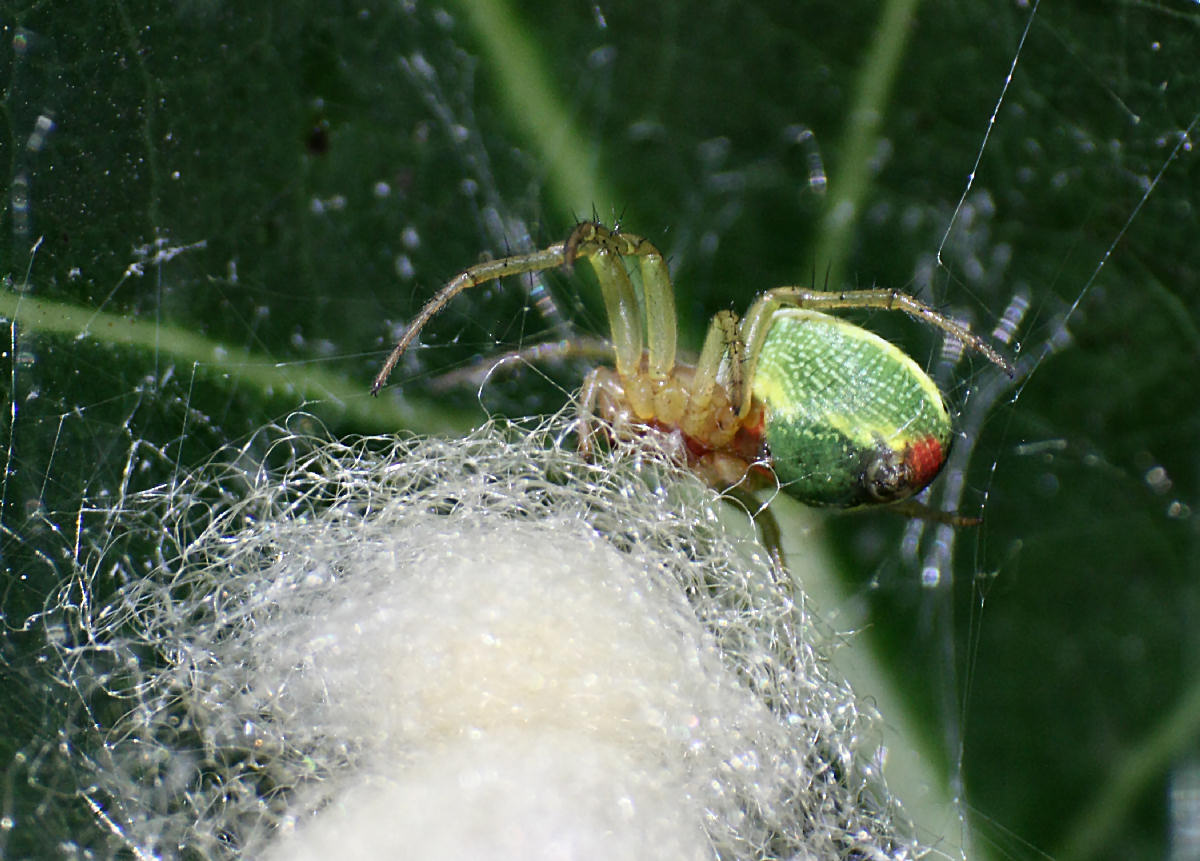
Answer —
(890, 300)
(920, 511)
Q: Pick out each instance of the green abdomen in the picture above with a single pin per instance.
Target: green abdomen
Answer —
(843, 403)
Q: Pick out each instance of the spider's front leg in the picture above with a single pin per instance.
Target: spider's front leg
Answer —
(604, 248)
(481, 273)
(602, 397)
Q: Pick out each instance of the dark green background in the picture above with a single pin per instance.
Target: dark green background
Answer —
(1073, 690)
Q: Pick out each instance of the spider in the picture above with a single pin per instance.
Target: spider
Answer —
(839, 415)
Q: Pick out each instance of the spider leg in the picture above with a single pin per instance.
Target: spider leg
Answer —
(479, 372)
(481, 273)
(603, 248)
(890, 300)
(603, 397)
(770, 534)
(757, 321)
(721, 362)
(920, 511)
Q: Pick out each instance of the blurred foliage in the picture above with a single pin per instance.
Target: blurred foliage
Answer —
(290, 182)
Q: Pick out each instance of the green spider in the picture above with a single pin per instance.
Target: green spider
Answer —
(839, 415)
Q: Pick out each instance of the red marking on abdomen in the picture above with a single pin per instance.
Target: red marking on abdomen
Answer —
(925, 458)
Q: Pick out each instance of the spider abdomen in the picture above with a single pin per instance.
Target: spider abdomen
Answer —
(850, 418)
